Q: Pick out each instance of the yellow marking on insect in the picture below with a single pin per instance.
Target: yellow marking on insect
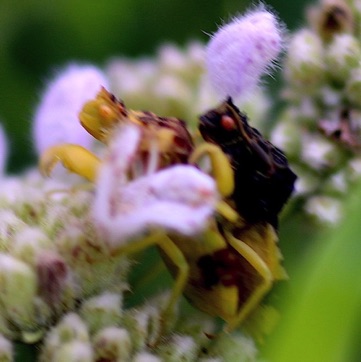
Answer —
(222, 170)
(74, 158)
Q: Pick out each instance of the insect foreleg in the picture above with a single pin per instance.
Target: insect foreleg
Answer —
(260, 291)
(221, 168)
(74, 158)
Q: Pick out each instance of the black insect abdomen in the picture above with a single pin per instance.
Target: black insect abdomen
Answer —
(260, 193)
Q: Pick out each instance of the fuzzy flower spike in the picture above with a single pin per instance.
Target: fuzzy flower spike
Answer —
(240, 52)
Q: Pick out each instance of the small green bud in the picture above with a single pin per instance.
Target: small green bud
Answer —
(234, 347)
(18, 289)
(75, 351)
(144, 325)
(342, 55)
(325, 209)
(102, 311)
(70, 334)
(179, 348)
(112, 344)
(304, 67)
(318, 152)
(70, 328)
(286, 136)
(336, 184)
(353, 87)
(28, 243)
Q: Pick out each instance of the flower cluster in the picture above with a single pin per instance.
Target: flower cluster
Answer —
(320, 127)
(64, 248)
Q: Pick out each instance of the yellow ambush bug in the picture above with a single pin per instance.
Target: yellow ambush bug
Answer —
(227, 270)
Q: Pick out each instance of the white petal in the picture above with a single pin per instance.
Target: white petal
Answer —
(180, 198)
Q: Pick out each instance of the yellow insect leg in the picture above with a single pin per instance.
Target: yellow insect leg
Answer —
(175, 256)
(261, 267)
(221, 168)
(74, 158)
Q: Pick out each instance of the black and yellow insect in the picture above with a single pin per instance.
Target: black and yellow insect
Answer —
(227, 270)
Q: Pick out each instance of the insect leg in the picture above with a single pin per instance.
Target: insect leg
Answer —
(175, 255)
(261, 290)
(74, 158)
(177, 258)
(221, 168)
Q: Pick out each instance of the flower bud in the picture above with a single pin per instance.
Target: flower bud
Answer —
(28, 243)
(304, 66)
(325, 209)
(18, 288)
(331, 18)
(71, 329)
(353, 87)
(286, 136)
(112, 344)
(75, 351)
(179, 348)
(343, 54)
(102, 311)
(240, 52)
(52, 273)
(234, 347)
(318, 152)
(56, 118)
(143, 325)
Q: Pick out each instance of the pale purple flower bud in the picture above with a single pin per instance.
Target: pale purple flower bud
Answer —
(56, 118)
(52, 274)
(240, 52)
(3, 151)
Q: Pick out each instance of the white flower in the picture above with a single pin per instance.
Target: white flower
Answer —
(179, 198)
(326, 209)
(240, 52)
(56, 118)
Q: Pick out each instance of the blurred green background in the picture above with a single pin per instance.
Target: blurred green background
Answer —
(37, 36)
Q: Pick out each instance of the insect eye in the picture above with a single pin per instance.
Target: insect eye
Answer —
(105, 111)
(228, 123)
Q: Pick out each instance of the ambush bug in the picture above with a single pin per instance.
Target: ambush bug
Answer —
(226, 270)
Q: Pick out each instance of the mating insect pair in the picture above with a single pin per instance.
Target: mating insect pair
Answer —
(227, 269)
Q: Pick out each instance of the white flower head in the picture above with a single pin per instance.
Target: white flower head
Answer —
(3, 151)
(240, 52)
(56, 118)
(180, 198)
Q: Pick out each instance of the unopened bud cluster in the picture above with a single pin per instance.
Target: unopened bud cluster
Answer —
(320, 128)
